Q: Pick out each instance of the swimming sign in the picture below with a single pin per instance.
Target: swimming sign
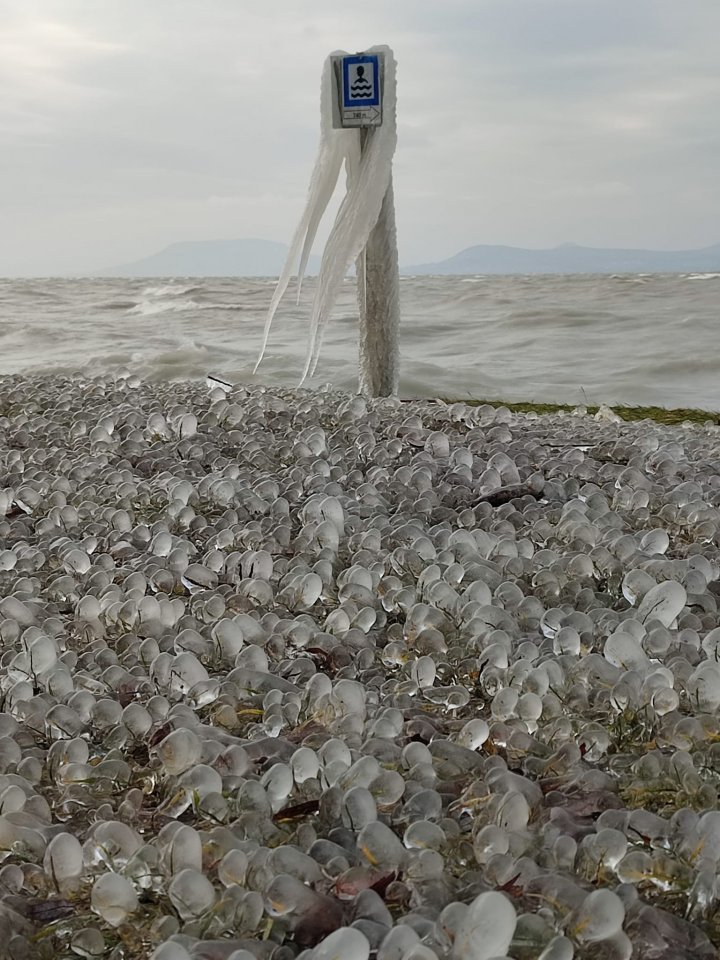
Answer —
(359, 83)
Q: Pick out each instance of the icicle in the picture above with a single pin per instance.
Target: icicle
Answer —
(332, 151)
(368, 178)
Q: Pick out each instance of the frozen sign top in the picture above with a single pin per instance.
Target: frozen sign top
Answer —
(359, 83)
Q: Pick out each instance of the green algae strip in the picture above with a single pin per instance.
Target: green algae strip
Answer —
(659, 414)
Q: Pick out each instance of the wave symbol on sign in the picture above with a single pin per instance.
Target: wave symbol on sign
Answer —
(361, 88)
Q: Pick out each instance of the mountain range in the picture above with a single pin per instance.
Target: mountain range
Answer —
(572, 258)
(265, 258)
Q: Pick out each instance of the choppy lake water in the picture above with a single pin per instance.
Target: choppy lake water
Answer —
(637, 339)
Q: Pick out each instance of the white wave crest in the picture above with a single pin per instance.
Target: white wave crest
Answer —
(148, 309)
(168, 290)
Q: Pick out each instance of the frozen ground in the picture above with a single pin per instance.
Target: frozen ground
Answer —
(292, 671)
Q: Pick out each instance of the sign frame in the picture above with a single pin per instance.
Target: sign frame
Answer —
(357, 112)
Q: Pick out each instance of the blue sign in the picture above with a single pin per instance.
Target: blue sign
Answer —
(361, 81)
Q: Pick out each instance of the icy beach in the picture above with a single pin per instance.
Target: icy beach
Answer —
(295, 671)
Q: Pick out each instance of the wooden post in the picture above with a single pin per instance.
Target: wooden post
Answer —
(378, 285)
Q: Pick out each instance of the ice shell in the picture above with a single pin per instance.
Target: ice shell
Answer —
(184, 851)
(186, 672)
(487, 929)
(137, 719)
(191, 893)
(423, 835)
(88, 943)
(179, 751)
(232, 869)
(387, 787)
(513, 811)
(304, 764)
(349, 697)
(398, 942)
(359, 808)
(664, 700)
(599, 917)
(489, 841)
(704, 687)
(309, 590)
(473, 734)
(111, 842)
(567, 640)
(423, 671)
(622, 650)
(290, 860)
(437, 445)
(12, 799)
(13, 608)
(655, 541)
(278, 782)
(113, 897)
(362, 771)
(664, 602)
(379, 846)
(187, 425)
(77, 561)
(171, 950)
(63, 860)
(197, 576)
(559, 948)
(424, 804)
(344, 944)
(529, 707)
(161, 544)
(504, 703)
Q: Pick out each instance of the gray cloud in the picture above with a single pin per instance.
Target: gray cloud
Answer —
(128, 125)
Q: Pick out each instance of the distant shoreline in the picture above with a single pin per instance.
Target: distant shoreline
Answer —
(255, 257)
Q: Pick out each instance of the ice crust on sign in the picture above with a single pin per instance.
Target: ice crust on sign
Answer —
(367, 181)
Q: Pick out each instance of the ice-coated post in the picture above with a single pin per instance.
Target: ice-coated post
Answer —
(378, 291)
(360, 94)
(357, 130)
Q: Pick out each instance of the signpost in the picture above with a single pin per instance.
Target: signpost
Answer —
(358, 102)
(357, 128)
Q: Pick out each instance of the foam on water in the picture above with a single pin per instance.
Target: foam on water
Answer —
(148, 309)
(169, 290)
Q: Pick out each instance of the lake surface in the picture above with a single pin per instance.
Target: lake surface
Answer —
(636, 339)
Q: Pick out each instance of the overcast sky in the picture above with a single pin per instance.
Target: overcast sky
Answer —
(126, 125)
